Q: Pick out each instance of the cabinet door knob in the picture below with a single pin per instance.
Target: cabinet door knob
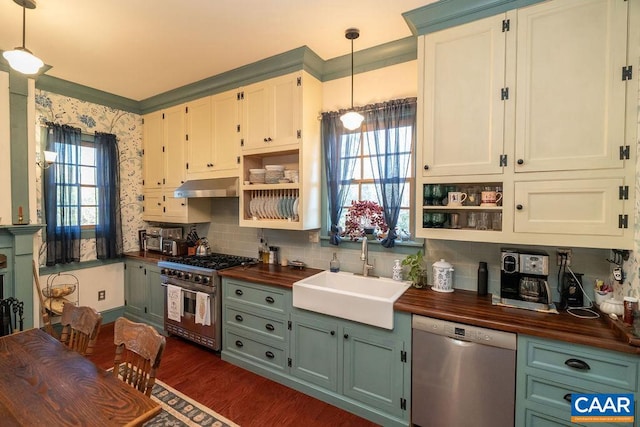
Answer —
(520, 161)
(269, 327)
(269, 139)
(239, 344)
(265, 140)
(269, 354)
(567, 397)
(577, 364)
(333, 333)
(270, 300)
(519, 207)
(426, 167)
(239, 292)
(183, 204)
(346, 336)
(239, 318)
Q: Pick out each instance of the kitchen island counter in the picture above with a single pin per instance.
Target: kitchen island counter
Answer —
(469, 308)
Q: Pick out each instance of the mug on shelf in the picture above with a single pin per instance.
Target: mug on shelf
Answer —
(490, 198)
(456, 198)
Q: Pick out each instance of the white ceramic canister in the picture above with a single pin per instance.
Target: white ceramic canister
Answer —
(442, 276)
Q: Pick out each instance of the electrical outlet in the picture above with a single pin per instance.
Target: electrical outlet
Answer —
(567, 253)
(314, 236)
(102, 295)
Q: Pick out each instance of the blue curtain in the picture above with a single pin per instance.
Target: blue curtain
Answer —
(109, 219)
(61, 193)
(386, 128)
(340, 150)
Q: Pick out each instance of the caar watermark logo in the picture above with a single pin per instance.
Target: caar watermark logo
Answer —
(602, 408)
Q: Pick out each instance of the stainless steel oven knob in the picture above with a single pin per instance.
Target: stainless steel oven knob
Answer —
(197, 278)
(187, 276)
(205, 280)
(164, 271)
(180, 274)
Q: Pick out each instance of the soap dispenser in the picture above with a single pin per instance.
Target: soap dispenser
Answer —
(334, 264)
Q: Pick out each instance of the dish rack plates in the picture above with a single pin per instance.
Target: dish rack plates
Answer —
(274, 205)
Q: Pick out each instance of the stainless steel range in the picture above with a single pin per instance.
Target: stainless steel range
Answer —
(197, 275)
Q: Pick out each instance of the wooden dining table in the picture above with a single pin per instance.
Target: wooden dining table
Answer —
(44, 383)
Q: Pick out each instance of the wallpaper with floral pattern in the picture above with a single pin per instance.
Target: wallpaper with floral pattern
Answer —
(127, 127)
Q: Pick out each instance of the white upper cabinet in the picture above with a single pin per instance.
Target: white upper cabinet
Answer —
(174, 146)
(271, 113)
(463, 73)
(570, 92)
(153, 142)
(213, 136)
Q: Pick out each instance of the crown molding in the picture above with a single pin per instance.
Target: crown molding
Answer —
(449, 13)
(302, 58)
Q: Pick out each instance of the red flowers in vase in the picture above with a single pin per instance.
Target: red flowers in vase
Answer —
(364, 215)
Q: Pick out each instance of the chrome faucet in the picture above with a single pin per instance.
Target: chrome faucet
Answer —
(364, 256)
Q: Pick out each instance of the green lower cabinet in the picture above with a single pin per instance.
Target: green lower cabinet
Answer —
(374, 363)
(363, 369)
(314, 350)
(549, 372)
(143, 294)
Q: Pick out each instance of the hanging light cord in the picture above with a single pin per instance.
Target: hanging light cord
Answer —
(352, 73)
(24, 25)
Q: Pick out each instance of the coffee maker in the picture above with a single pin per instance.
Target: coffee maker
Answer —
(524, 279)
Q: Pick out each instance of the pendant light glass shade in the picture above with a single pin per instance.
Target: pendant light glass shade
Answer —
(20, 59)
(352, 119)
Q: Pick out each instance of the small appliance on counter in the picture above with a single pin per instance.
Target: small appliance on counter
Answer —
(572, 295)
(524, 280)
(155, 236)
(174, 247)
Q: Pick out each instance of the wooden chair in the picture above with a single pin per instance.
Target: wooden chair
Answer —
(80, 328)
(11, 316)
(139, 348)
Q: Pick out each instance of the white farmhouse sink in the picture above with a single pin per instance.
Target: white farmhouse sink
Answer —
(366, 300)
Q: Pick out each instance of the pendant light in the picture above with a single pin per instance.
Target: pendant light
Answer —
(20, 58)
(352, 119)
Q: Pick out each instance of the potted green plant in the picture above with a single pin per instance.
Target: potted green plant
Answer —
(416, 273)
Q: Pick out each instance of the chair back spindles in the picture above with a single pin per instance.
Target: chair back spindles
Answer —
(11, 316)
(80, 328)
(139, 348)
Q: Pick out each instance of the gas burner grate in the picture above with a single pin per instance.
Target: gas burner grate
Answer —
(213, 261)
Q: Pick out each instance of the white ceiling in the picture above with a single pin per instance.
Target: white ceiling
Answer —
(140, 48)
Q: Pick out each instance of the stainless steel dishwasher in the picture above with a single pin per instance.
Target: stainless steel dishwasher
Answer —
(462, 375)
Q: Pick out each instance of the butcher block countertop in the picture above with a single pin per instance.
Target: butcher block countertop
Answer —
(467, 307)
(463, 307)
(269, 274)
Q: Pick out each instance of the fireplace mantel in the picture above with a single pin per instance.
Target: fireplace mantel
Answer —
(16, 242)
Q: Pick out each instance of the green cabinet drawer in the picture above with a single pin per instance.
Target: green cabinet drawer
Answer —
(599, 366)
(541, 419)
(273, 299)
(262, 353)
(262, 325)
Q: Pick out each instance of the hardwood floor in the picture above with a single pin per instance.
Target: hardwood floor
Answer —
(243, 397)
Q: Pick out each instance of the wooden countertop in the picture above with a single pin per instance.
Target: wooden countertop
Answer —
(459, 306)
(467, 307)
(146, 256)
(269, 274)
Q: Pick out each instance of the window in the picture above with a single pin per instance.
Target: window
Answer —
(362, 184)
(373, 164)
(77, 199)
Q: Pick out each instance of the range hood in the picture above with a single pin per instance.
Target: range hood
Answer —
(215, 187)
